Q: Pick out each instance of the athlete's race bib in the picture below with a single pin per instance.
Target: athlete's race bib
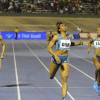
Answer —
(65, 44)
(97, 43)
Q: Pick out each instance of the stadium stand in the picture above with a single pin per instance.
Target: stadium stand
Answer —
(45, 6)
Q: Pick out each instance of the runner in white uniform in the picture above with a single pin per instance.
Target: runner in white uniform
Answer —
(60, 57)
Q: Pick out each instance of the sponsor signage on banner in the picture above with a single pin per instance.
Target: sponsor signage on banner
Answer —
(8, 35)
(32, 36)
(24, 35)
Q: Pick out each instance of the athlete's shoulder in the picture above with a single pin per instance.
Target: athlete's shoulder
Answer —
(98, 37)
(55, 37)
(51, 35)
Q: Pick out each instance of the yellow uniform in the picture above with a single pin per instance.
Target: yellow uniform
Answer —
(2, 49)
(16, 32)
(96, 58)
(60, 58)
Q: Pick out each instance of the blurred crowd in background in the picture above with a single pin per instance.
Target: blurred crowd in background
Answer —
(45, 6)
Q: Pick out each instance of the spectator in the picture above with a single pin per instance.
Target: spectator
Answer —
(11, 6)
(16, 32)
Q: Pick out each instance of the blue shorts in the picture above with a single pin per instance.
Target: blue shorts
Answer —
(64, 59)
(98, 57)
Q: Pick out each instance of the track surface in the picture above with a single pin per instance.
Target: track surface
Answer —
(24, 74)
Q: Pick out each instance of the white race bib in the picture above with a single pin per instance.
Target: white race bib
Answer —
(97, 43)
(65, 44)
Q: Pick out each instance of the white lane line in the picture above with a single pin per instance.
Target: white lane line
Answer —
(82, 58)
(16, 74)
(82, 72)
(41, 87)
(81, 87)
(72, 98)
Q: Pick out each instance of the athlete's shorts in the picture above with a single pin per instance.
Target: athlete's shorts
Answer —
(64, 59)
(98, 57)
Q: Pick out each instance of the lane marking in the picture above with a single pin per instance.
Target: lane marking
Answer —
(39, 87)
(82, 72)
(46, 69)
(82, 58)
(16, 73)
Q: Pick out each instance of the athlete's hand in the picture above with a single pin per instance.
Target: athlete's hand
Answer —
(79, 29)
(58, 61)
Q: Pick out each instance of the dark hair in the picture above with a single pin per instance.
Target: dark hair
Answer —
(98, 35)
(58, 26)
